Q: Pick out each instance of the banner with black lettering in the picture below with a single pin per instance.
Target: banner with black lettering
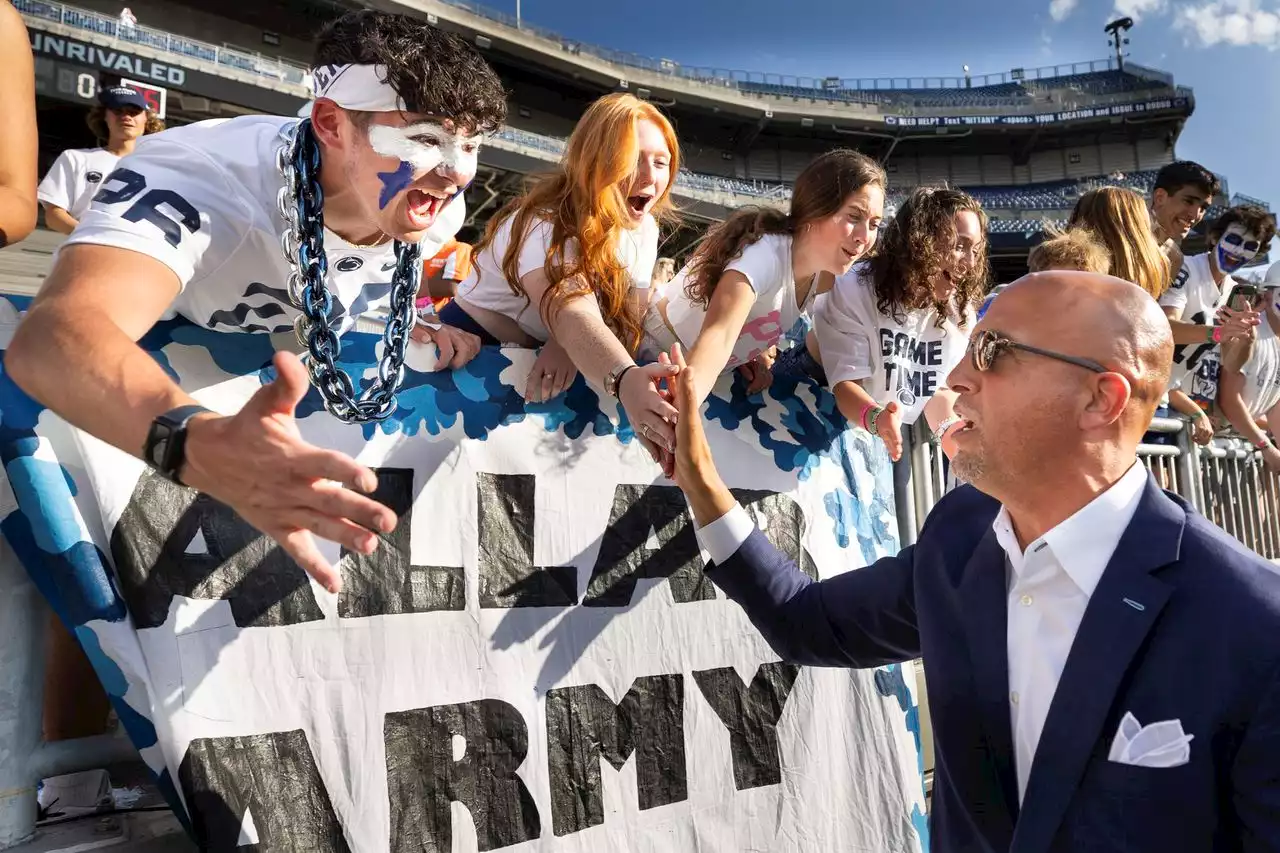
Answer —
(532, 661)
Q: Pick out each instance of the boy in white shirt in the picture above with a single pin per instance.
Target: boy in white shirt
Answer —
(119, 120)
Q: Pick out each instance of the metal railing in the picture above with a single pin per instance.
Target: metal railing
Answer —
(1226, 482)
(269, 67)
(730, 77)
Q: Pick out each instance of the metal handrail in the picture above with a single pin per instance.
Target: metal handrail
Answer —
(249, 62)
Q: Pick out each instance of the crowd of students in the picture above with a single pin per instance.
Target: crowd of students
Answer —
(878, 310)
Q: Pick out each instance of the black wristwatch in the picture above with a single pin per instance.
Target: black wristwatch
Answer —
(166, 445)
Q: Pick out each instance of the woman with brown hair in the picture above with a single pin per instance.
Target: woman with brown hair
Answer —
(567, 266)
(1119, 218)
(119, 120)
(891, 330)
(758, 272)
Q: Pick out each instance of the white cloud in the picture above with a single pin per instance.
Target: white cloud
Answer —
(1137, 9)
(1060, 9)
(1230, 22)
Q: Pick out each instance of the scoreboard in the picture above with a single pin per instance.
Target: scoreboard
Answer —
(68, 82)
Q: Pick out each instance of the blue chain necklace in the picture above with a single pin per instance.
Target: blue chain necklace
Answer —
(301, 203)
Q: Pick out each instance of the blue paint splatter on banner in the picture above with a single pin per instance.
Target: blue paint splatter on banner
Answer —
(394, 183)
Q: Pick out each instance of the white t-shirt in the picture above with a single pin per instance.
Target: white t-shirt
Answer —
(486, 287)
(1262, 373)
(1197, 297)
(903, 362)
(201, 199)
(74, 178)
(766, 264)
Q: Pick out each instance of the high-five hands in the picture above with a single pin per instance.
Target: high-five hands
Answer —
(258, 464)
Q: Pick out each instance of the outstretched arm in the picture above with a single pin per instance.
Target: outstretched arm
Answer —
(18, 142)
(860, 618)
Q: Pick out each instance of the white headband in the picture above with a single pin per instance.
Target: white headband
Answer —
(354, 87)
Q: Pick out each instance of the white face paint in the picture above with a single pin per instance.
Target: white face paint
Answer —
(428, 146)
(1236, 247)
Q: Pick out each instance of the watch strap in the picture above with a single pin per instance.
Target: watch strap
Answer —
(165, 447)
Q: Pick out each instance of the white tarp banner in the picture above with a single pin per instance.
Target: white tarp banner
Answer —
(533, 661)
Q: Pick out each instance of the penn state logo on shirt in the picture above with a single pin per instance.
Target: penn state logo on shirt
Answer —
(93, 177)
(906, 398)
(349, 264)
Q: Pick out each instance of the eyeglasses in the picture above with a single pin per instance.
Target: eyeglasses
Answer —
(987, 345)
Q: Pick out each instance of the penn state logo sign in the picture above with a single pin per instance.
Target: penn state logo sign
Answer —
(349, 264)
(93, 177)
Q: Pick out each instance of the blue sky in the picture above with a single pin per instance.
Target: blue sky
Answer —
(1225, 50)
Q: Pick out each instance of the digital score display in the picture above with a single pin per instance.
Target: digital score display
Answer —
(79, 84)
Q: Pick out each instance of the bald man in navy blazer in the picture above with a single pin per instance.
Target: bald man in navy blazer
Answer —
(1103, 663)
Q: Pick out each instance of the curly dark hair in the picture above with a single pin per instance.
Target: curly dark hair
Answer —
(97, 121)
(821, 190)
(912, 252)
(1253, 218)
(434, 72)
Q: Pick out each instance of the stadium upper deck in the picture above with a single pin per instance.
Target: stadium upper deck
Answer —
(1026, 142)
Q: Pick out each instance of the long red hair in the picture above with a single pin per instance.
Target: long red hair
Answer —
(585, 201)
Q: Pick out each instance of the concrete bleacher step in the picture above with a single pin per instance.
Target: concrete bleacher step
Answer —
(23, 267)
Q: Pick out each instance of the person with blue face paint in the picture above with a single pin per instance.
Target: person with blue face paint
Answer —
(297, 226)
(1249, 387)
(1196, 303)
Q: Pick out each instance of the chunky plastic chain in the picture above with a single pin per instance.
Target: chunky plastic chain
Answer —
(301, 203)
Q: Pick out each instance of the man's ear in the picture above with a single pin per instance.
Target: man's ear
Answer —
(331, 124)
(1111, 396)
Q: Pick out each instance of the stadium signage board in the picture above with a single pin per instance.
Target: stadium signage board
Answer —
(536, 642)
(1107, 111)
(111, 63)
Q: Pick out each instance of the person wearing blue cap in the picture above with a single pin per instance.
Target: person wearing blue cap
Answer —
(119, 119)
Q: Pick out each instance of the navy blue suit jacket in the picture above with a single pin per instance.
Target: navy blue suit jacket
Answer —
(1184, 624)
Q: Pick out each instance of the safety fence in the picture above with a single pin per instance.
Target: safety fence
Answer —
(1225, 481)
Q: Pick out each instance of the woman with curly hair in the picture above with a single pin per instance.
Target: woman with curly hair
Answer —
(757, 273)
(891, 330)
(567, 266)
(120, 118)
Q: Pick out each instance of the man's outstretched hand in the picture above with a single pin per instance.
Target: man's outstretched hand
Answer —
(695, 470)
(257, 463)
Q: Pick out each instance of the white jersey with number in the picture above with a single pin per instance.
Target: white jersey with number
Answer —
(201, 199)
(904, 362)
(74, 177)
(1197, 298)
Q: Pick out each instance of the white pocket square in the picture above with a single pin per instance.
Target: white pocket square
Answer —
(1161, 744)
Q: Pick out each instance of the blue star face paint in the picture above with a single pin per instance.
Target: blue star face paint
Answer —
(394, 183)
(1235, 248)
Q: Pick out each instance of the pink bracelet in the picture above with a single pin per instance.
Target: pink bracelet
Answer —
(862, 419)
(1217, 334)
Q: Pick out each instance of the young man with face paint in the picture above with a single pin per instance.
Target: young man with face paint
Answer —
(1182, 194)
(192, 223)
(1196, 303)
(1249, 388)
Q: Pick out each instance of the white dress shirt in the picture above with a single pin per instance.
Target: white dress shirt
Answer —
(1049, 588)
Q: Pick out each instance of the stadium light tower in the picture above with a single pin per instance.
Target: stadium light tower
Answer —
(1115, 31)
(517, 14)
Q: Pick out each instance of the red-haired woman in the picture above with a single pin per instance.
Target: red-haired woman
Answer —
(567, 265)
